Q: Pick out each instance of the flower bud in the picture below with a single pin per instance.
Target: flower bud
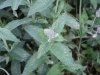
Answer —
(98, 13)
(94, 35)
(50, 34)
(98, 29)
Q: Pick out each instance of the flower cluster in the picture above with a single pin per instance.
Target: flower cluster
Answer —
(97, 31)
(50, 34)
(98, 13)
(98, 28)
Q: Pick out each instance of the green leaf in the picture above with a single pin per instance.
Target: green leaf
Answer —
(94, 3)
(55, 70)
(1, 1)
(59, 38)
(63, 53)
(2, 46)
(15, 4)
(98, 1)
(46, 13)
(6, 14)
(7, 35)
(13, 24)
(45, 47)
(67, 7)
(15, 13)
(84, 17)
(34, 31)
(32, 64)
(61, 6)
(15, 67)
(42, 21)
(58, 25)
(17, 32)
(3, 58)
(19, 54)
(7, 3)
(39, 5)
(27, 36)
(42, 70)
(31, 73)
(71, 22)
(98, 60)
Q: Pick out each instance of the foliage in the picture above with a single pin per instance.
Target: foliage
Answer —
(49, 37)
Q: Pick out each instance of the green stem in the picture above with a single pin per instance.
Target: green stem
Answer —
(93, 22)
(5, 71)
(80, 31)
(56, 8)
(56, 5)
(6, 46)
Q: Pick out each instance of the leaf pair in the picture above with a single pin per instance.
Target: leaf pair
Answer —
(62, 52)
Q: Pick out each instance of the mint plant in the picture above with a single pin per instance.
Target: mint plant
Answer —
(49, 37)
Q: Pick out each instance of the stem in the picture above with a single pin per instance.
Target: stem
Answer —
(5, 71)
(80, 31)
(6, 46)
(55, 11)
(93, 22)
(56, 5)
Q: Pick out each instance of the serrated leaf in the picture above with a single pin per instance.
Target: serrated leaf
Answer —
(58, 25)
(7, 35)
(39, 5)
(32, 64)
(94, 3)
(13, 24)
(19, 54)
(63, 53)
(45, 47)
(35, 33)
(15, 4)
(15, 68)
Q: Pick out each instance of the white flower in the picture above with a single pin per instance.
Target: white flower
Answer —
(98, 29)
(50, 34)
(98, 13)
(94, 35)
(48, 61)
